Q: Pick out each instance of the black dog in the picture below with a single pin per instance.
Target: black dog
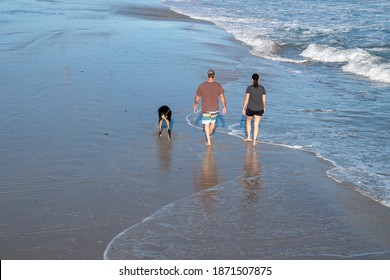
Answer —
(164, 114)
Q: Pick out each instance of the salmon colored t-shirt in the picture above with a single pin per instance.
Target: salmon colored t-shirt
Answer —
(210, 92)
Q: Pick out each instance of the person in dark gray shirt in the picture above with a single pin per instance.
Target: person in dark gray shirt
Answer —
(254, 107)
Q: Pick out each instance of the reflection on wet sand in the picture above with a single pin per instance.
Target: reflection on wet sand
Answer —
(251, 182)
(208, 178)
(165, 152)
(209, 174)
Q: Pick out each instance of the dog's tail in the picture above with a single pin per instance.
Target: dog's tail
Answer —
(164, 116)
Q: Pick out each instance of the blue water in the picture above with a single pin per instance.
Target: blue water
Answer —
(326, 68)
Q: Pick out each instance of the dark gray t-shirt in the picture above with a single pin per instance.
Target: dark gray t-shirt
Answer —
(255, 102)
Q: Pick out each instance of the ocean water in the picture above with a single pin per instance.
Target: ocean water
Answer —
(326, 69)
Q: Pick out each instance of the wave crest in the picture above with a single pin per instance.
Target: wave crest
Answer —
(357, 61)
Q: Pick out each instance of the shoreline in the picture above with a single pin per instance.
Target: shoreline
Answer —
(103, 168)
(259, 215)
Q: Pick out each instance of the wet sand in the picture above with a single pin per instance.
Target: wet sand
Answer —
(278, 208)
(81, 160)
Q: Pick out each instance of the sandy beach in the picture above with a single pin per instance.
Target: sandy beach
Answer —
(81, 161)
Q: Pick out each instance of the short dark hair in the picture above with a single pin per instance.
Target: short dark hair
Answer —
(255, 76)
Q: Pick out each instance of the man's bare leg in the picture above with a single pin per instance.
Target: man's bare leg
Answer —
(212, 127)
(207, 127)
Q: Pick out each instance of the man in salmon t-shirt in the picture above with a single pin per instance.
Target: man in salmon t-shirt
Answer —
(210, 92)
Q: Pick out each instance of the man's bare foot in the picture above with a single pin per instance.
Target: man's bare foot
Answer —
(254, 143)
(248, 140)
(208, 143)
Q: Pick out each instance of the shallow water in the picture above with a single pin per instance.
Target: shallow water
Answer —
(326, 69)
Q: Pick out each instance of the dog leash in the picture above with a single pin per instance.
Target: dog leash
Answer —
(184, 110)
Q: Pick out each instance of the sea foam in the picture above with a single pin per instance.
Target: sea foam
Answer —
(356, 61)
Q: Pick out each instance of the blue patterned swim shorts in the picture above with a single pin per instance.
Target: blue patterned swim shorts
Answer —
(209, 117)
